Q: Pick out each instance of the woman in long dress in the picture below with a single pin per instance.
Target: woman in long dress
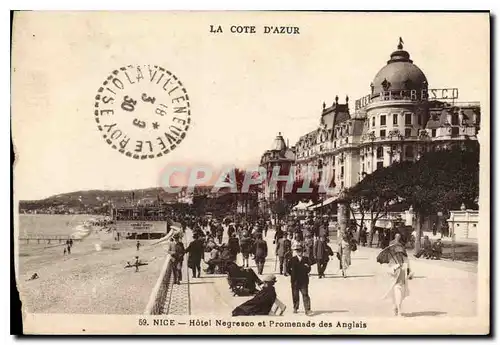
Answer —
(399, 271)
(345, 254)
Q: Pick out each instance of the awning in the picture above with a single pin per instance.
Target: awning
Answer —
(302, 205)
(324, 203)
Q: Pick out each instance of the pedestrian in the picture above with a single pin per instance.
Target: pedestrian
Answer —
(69, 249)
(260, 253)
(299, 269)
(234, 246)
(138, 245)
(434, 229)
(64, 251)
(176, 251)
(195, 251)
(321, 254)
(245, 247)
(284, 253)
(309, 248)
(71, 242)
(345, 254)
(399, 272)
(219, 233)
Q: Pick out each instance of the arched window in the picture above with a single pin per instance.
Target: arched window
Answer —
(380, 152)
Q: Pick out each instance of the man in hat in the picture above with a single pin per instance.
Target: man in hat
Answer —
(245, 247)
(299, 269)
(284, 252)
(260, 253)
(195, 252)
(176, 251)
(262, 302)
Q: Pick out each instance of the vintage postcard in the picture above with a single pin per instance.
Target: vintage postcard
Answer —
(252, 172)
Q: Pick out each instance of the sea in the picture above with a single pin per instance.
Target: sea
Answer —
(53, 224)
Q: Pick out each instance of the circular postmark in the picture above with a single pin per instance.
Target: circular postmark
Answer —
(142, 111)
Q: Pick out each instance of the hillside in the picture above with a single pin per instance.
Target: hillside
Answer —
(96, 199)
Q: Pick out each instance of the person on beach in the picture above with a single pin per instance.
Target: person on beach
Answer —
(137, 264)
(64, 251)
(138, 245)
(69, 249)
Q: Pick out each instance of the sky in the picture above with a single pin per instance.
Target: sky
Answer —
(243, 88)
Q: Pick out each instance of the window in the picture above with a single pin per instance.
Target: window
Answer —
(342, 172)
(407, 132)
(380, 152)
(408, 119)
(380, 165)
(419, 119)
(382, 120)
(454, 131)
(363, 168)
(433, 133)
(454, 119)
(382, 133)
(335, 144)
(409, 151)
(394, 119)
(373, 121)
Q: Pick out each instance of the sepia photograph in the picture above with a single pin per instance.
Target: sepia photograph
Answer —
(251, 172)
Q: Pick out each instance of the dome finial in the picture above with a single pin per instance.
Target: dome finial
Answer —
(400, 44)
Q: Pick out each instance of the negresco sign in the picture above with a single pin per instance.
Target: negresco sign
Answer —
(415, 95)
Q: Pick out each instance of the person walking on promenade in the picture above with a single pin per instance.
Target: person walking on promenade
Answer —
(284, 252)
(260, 253)
(176, 251)
(299, 269)
(138, 245)
(321, 254)
(195, 251)
(234, 246)
(345, 254)
(245, 247)
(219, 232)
(309, 248)
(399, 271)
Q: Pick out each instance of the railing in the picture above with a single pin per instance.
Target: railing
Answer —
(158, 295)
(47, 238)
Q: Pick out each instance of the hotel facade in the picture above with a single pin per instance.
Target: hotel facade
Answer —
(399, 119)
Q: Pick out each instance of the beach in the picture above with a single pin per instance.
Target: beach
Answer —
(92, 279)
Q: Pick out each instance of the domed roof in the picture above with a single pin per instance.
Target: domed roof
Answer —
(279, 143)
(399, 74)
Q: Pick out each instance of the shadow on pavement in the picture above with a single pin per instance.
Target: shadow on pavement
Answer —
(348, 276)
(423, 313)
(191, 282)
(319, 312)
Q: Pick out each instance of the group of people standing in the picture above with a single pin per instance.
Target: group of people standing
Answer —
(298, 247)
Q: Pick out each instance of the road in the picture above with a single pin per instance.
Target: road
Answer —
(439, 288)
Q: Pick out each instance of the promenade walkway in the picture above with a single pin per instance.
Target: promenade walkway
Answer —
(438, 289)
